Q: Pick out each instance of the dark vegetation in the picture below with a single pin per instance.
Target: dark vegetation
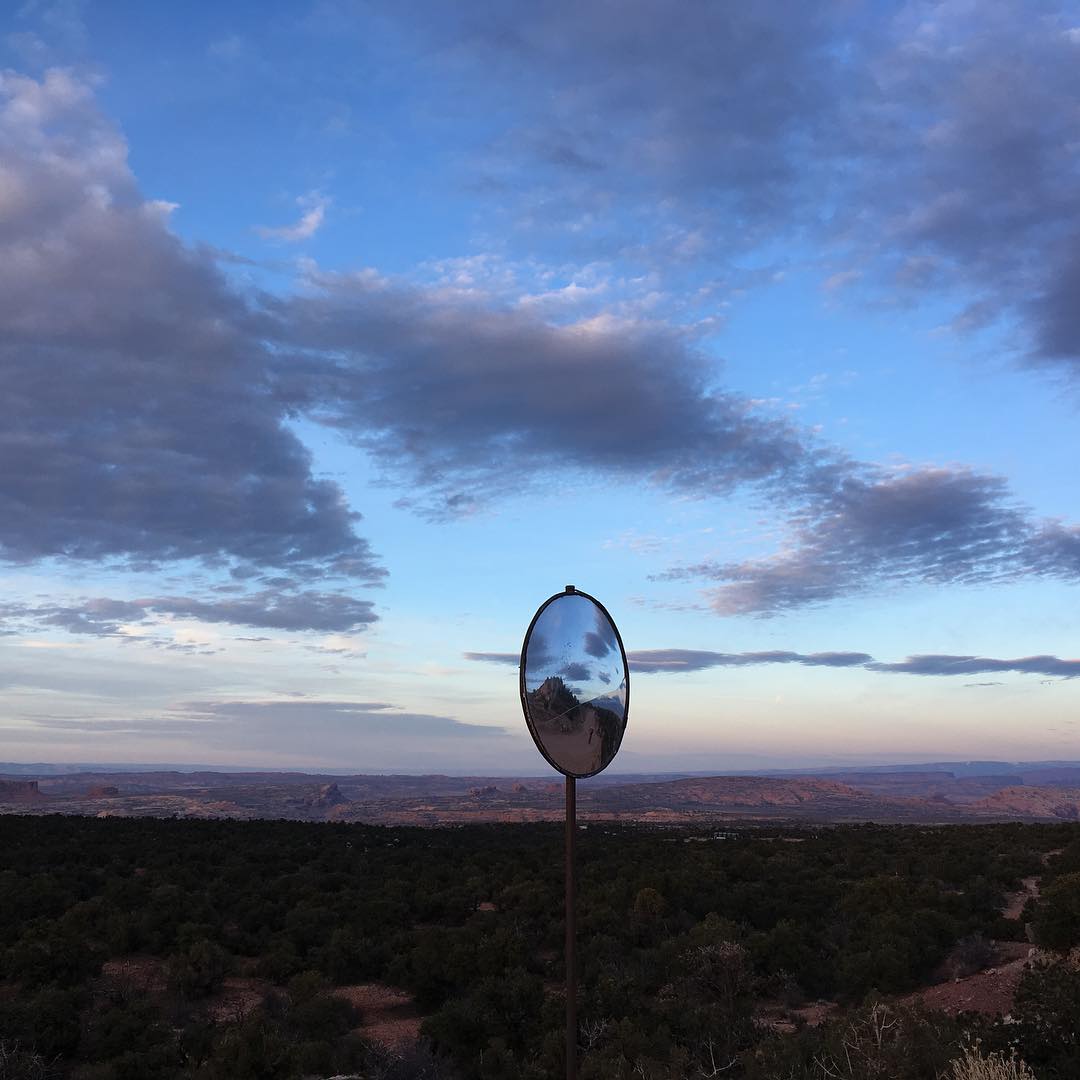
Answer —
(682, 935)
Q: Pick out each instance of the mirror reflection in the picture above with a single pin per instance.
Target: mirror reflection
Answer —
(575, 685)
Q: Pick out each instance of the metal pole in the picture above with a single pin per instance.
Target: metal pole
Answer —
(571, 958)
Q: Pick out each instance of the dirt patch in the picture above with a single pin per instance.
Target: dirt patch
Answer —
(149, 975)
(387, 1015)
(1014, 902)
(777, 1018)
(816, 1013)
(237, 997)
(991, 991)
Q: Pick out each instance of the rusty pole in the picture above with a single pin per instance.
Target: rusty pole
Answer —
(571, 958)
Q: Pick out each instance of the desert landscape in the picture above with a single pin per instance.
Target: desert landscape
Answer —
(958, 792)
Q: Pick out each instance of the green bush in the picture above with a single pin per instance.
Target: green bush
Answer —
(1057, 916)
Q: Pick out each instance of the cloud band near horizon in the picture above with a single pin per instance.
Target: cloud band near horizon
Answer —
(668, 661)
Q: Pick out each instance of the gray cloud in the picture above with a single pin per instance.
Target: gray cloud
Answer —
(100, 617)
(597, 645)
(980, 665)
(490, 429)
(665, 660)
(936, 526)
(575, 672)
(271, 610)
(140, 422)
(933, 147)
(136, 726)
(274, 720)
(326, 612)
(148, 398)
(343, 730)
(511, 659)
(658, 661)
(493, 386)
(720, 104)
(974, 119)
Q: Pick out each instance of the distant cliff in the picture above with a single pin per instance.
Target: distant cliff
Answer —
(19, 790)
(1034, 802)
(327, 797)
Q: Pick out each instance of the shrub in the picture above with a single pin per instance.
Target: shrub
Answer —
(200, 970)
(1057, 918)
(1047, 1005)
(972, 953)
(17, 1063)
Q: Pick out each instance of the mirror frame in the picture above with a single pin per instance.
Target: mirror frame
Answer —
(571, 590)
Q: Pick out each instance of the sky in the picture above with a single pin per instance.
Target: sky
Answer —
(337, 336)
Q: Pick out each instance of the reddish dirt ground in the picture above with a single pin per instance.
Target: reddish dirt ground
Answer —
(1014, 902)
(236, 998)
(991, 991)
(387, 1015)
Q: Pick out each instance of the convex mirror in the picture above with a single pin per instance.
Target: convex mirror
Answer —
(575, 685)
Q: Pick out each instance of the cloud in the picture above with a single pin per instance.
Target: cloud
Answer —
(511, 659)
(149, 399)
(974, 118)
(647, 661)
(930, 525)
(659, 661)
(268, 609)
(369, 355)
(135, 726)
(326, 612)
(336, 721)
(715, 104)
(100, 617)
(935, 145)
(140, 419)
(352, 732)
(575, 672)
(979, 665)
(314, 206)
(651, 661)
(599, 644)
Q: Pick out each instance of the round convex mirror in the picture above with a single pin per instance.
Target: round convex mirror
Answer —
(575, 686)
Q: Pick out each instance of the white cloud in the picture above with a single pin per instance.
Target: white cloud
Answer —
(313, 205)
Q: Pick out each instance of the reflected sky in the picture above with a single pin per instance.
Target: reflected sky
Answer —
(574, 640)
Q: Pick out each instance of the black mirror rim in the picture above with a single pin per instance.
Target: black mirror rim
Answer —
(524, 698)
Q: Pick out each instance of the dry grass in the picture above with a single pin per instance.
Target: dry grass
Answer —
(974, 1066)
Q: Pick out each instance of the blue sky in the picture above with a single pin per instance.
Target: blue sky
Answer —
(337, 336)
